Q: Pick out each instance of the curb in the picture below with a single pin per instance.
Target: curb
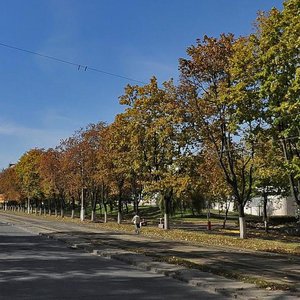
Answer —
(220, 286)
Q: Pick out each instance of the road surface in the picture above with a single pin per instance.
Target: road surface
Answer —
(34, 267)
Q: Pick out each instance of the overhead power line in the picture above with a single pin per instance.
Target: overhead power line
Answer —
(78, 66)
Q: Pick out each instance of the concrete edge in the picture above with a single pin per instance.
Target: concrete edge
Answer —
(227, 288)
(147, 263)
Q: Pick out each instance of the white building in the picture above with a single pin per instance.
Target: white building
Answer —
(277, 206)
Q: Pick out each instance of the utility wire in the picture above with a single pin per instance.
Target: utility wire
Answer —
(79, 66)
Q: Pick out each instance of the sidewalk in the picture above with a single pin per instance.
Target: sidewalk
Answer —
(149, 254)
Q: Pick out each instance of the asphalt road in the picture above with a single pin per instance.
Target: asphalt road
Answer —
(33, 267)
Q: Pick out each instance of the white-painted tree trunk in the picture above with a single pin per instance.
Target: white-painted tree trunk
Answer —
(242, 223)
(119, 218)
(93, 216)
(166, 221)
(82, 213)
(105, 217)
(72, 214)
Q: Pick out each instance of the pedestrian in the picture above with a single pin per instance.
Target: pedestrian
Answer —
(136, 221)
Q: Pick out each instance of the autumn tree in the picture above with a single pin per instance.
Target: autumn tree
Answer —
(102, 175)
(155, 138)
(79, 164)
(278, 53)
(270, 174)
(217, 188)
(27, 170)
(52, 179)
(9, 184)
(91, 144)
(114, 161)
(73, 162)
(221, 104)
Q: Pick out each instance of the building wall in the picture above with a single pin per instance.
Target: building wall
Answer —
(277, 206)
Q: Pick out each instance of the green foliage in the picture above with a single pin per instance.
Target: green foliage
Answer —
(278, 52)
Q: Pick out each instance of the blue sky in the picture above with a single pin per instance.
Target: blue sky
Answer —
(43, 101)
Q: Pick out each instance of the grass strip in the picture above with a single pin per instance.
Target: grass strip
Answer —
(208, 238)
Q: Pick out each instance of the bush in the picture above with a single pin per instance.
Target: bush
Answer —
(281, 220)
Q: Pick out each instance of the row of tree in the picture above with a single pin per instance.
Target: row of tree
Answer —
(228, 130)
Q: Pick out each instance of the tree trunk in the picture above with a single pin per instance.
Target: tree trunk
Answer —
(28, 206)
(243, 233)
(265, 213)
(242, 222)
(292, 180)
(111, 206)
(193, 212)
(181, 208)
(93, 215)
(120, 207)
(135, 207)
(119, 217)
(73, 208)
(62, 206)
(100, 209)
(55, 207)
(167, 201)
(82, 210)
(49, 207)
(105, 211)
(225, 216)
(94, 204)
(166, 221)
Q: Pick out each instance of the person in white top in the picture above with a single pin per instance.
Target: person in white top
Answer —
(137, 223)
